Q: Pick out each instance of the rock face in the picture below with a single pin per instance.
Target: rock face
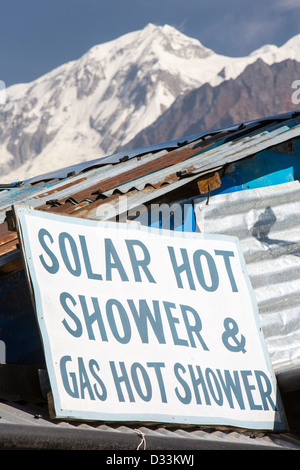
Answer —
(119, 93)
(260, 91)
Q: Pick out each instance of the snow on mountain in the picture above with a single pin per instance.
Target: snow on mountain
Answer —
(261, 90)
(269, 53)
(87, 108)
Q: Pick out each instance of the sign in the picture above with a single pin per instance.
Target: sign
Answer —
(148, 325)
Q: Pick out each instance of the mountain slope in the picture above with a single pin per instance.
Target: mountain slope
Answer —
(260, 91)
(90, 107)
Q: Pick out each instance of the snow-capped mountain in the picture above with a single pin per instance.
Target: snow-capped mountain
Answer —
(260, 90)
(92, 106)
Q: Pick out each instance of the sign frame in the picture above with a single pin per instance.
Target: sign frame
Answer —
(24, 214)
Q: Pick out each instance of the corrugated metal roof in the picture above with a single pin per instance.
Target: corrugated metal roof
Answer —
(28, 426)
(247, 126)
(199, 157)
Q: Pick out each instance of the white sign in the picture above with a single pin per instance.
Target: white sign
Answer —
(147, 325)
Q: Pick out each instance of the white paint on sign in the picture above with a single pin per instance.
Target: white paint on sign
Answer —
(147, 325)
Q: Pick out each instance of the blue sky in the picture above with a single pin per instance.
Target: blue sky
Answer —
(39, 35)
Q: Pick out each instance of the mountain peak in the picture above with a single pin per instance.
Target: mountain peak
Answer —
(266, 49)
(292, 45)
(156, 40)
(175, 42)
(271, 53)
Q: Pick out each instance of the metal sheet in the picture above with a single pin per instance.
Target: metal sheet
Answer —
(129, 154)
(267, 223)
(168, 145)
(27, 426)
(84, 184)
(187, 159)
(112, 159)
